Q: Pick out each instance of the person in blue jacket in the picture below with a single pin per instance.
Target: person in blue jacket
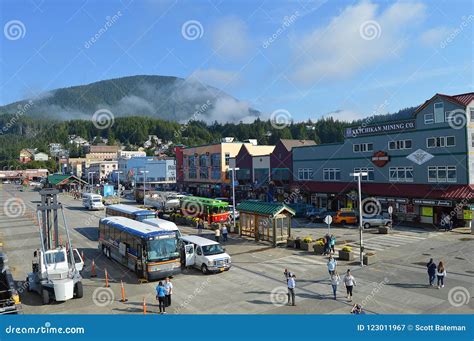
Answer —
(161, 297)
(431, 266)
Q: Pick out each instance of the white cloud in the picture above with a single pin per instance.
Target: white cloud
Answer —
(230, 38)
(357, 38)
(346, 115)
(215, 77)
(227, 109)
(434, 36)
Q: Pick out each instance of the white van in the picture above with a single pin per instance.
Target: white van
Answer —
(92, 201)
(164, 224)
(204, 254)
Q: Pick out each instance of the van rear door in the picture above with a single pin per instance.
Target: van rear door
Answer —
(189, 254)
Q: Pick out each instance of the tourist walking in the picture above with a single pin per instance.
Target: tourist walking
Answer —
(332, 243)
(161, 297)
(431, 266)
(349, 282)
(224, 233)
(441, 274)
(335, 280)
(291, 289)
(217, 234)
(200, 225)
(332, 263)
(169, 291)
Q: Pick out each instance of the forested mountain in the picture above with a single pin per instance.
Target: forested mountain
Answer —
(163, 97)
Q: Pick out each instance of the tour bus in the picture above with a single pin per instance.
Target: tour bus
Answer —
(204, 254)
(164, 224)
(152, 253)
(92, 201)
(130, 212)
(210, 210)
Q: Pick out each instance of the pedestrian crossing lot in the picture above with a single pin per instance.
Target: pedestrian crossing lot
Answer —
(394, 239)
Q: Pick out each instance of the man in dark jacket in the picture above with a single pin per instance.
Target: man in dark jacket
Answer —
(431, 271)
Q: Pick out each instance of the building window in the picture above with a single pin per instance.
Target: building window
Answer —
(227, 158)
(442, 174)
(440, 141)
(370, 173)
(401, 174)
(472, 140)
(305, 173)
(429, 118)
(331, 174)
(192, 173)
(439, 112)
(399, 144)
(363, 147)
(471, 111)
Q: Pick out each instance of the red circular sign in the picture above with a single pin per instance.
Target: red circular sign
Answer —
(380, 158)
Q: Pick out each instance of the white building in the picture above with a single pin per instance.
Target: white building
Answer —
(41, 157)
(102, 169)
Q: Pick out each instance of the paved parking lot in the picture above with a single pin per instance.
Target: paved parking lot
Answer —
(396, 283)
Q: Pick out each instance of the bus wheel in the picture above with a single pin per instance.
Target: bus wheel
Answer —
(204, 269)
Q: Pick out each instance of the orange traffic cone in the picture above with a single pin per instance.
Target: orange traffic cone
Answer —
(93, 274)
(123, 300)
(106, 279)
(144, 306)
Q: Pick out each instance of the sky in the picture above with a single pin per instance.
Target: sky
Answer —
(309, 59)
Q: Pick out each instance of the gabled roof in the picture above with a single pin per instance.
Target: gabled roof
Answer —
(290, 144)
(60, 179)
(258, 150)
(264, 208)
(461, 99)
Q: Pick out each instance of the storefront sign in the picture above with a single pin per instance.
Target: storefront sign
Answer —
(444, 203)
(380, 128)
(419, 157)
(427, 211)
(380, 158)
(467, 214)
(398, 200)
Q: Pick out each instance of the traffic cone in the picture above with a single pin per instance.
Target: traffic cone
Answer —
(106, 279)
(93, 274)
(144, 306)
(123, 300)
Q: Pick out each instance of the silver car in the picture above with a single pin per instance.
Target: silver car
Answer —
(376, 221)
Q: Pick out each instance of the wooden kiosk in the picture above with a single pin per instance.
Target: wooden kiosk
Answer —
(265, 221)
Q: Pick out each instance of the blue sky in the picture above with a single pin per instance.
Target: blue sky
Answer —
(348, 59)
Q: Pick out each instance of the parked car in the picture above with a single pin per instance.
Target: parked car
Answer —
(345, 217)
(316, 214)
(231, 215)
(376, 221)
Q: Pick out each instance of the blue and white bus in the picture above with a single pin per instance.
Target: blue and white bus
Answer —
(128, 211)
(152, 253)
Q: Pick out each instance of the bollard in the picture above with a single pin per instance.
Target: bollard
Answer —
(144, 306)
(123, 300)
(93, 274)
(106, 279)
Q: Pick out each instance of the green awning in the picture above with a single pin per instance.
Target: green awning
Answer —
(60, 179)
(264, 208)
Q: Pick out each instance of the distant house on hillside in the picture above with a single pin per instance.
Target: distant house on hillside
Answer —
(27, 154)
(153, 140)
(57, 150)
(40, 157)
(78, 140)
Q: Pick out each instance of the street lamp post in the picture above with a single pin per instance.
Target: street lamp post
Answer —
(359, 176)
(144, 183)
(233, 193)
(118, 185)
(92, 180)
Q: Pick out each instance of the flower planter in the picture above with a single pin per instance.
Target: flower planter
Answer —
(291, 243)
(318, 249)
(346, 255)
(369, 259)
(383, 230)
(307, 246)
(297, 243)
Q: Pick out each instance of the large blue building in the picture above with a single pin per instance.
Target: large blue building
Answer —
(422, 166)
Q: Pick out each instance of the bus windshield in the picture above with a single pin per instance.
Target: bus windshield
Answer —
(162, 249)
(143, 217)
(210, 250)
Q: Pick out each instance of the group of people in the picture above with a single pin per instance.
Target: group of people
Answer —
(348, 280)
(436, 271)
(163, 294)
(329, 244)
(221, 231)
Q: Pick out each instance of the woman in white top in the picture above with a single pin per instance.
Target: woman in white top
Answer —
(441, 273)
(335, 280)
(349, 282)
